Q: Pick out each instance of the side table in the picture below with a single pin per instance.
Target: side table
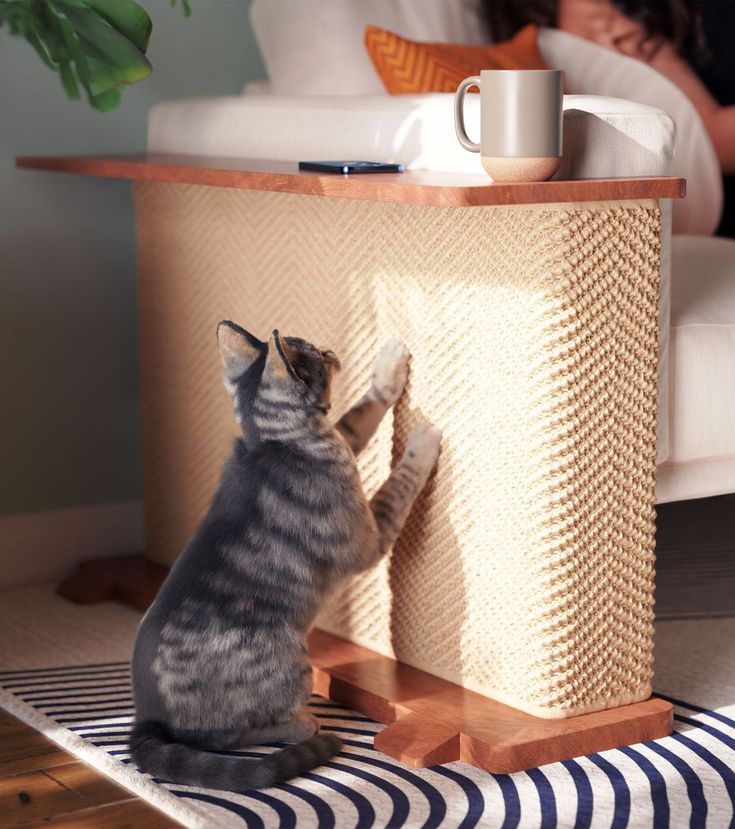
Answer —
(523, 581)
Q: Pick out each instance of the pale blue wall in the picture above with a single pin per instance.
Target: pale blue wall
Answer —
(69, 433)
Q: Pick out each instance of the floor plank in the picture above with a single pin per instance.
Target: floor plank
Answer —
(24, 749)
(130, 814)
(29, 798)
(90, 785)
(10, 725)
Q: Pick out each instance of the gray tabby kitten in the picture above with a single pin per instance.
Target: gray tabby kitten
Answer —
(220, 658)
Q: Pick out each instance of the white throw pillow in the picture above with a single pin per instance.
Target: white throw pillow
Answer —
(316, 47)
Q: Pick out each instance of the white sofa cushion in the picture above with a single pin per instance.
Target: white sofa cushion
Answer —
(702, 334)
(694, 479)
(315, 47)
(702, 381)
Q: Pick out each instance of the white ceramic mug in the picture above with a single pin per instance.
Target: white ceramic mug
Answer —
(520, 122)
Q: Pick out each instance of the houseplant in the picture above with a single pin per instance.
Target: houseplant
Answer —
(97, 45)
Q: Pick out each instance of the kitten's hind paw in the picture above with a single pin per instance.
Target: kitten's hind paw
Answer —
(390, 371)
(305, 726)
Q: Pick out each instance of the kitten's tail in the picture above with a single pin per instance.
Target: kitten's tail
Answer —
(156, 753)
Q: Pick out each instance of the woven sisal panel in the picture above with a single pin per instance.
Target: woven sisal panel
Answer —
(525, 571)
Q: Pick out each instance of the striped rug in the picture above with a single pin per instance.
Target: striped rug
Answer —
(687, 779)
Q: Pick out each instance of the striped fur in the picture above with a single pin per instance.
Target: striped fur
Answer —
(220, 659)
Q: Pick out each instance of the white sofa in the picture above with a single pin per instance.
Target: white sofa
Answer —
(626, 120)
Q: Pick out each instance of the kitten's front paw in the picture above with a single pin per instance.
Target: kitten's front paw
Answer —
(422, 447)
(390, 371)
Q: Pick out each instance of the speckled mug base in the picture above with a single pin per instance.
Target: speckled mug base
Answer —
(521, 169)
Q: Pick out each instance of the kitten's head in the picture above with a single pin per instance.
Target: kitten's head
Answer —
(282, 377)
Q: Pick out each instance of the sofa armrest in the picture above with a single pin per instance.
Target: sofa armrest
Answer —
(603, 136)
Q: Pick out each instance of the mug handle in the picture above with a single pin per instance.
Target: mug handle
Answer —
(459, 113)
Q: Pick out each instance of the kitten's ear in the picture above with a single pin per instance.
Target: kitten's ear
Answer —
(238, 349)
(331, 360)
(278, 364)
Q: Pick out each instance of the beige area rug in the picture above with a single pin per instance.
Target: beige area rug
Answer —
(63, 670)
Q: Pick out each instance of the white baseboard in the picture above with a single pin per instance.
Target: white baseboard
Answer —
(46, 546)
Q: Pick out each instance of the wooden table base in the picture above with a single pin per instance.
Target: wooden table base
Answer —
(430, 721)
(132, 579)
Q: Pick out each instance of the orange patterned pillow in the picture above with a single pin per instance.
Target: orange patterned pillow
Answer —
(406, 66)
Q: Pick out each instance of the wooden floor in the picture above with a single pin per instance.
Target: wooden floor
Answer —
(43, 785)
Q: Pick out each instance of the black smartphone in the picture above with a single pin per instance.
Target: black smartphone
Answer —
(346, 167)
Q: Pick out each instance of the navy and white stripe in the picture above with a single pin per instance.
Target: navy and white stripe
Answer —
(685, 780)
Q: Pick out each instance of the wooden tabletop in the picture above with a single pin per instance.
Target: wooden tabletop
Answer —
(412, 187)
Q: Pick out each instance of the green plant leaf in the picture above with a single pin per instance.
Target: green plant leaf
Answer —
(111, 59)
(19, 18)
(128, 18)
(103, 102)
(15, 15)
(68, 81)
(47, 27)
(106, 101)
(38, 45)
(99, 45)
(185, 7)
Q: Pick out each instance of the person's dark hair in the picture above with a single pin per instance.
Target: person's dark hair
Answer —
(675, 20)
